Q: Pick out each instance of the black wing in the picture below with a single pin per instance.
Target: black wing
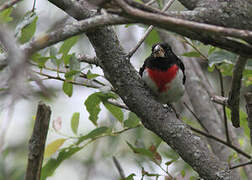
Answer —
(141, 70)
(182, 67)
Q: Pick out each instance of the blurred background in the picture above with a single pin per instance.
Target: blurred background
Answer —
(95, 160)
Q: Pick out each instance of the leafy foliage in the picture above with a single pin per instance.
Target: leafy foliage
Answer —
(93, 102)
(5, 15)
(75, 122)
(53, 147)
(68, 88)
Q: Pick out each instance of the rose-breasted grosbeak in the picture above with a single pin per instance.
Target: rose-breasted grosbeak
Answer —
(164, 73)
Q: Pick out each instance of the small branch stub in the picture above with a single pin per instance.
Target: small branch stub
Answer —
(37, 142)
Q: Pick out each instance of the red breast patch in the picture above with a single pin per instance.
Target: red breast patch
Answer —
(161, 78)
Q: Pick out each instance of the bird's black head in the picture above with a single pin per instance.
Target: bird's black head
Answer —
(161, 50)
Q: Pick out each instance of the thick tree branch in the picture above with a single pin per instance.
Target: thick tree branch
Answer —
(235, 13)
(234, 94)
(189, 25)
(70, 30)
(37, 142)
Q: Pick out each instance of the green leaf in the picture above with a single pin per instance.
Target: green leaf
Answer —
(53, 147)
(75, 122)
(210, 69)
(74, 64)
(168, 163)
(69, 75)
(130, 177)
(116, 111)
(211, 50)
(91, 76)
(39, 59)
(53, 55)
(142, 151)
(95, 133)
(5, 15)
(152, 38)
(191, 54)
(221, 56)
(92, 104)
(183, 173)
(68, 44)
(28, 30)
(132, 120)
(68, 88)
(52, 164)
(66, 58)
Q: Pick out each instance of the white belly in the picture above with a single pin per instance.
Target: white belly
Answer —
(174, 89)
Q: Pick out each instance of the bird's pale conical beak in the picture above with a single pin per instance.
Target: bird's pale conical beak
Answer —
(158, 51)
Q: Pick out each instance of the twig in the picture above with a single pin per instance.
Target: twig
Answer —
(196, 117)
(223, 106)
(221, 141)
(248, 98)
(118, 104)
(240, 165)
(119, 167)
(220, 100)
(37, 142)
(87, 59)
(150, 2)
(88, 82)
(34, 4)
(234, 94)
(8, 4)
(147, 32)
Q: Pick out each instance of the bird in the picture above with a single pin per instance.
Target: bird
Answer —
(164, 73)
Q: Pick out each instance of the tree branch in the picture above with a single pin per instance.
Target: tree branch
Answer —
(147, 32)
(189, 25)
(241, 165)
(87, 59)
(37, 142)
(119, 167)
(208, 34)
(248, 98)
(234, 94)
(220, 100)
(8, 4)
